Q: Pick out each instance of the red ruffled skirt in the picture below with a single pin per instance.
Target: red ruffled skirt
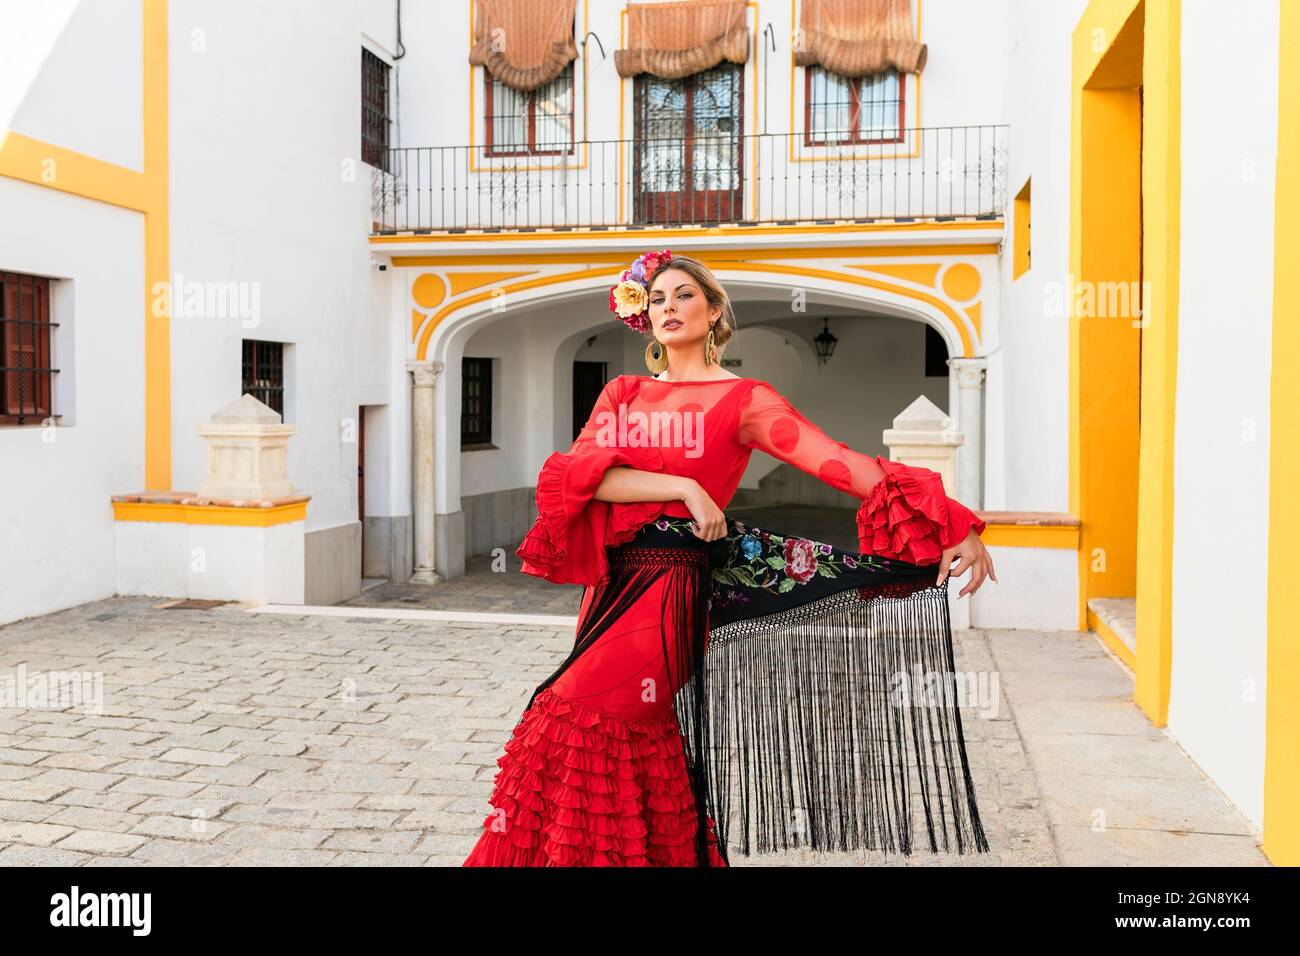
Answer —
(578, 787)
(595, 772)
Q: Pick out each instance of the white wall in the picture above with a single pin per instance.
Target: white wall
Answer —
(56, 520)
(71, 75)
(1221, 480)
(1028, 411)
(66, 69)
(268, 190)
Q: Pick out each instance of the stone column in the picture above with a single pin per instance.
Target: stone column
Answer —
(970, 419)
(423, 374)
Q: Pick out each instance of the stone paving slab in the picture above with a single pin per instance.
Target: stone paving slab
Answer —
(225, 737)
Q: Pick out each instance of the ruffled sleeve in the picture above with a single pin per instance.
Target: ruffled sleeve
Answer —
(907, 515)
(904, 513)
(566, 544)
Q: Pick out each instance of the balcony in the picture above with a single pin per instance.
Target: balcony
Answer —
(921, 174)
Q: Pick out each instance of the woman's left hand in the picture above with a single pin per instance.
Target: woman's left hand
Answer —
(974, 556)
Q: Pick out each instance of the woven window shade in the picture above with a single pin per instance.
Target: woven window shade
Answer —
(672, 40)
(523, 43)
(858, 37)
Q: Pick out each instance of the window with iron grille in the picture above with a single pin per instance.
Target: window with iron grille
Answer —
(840, 110)
(475, 401)
(374, 110)
(538, 122)
(688, 156)
(263, 374)
(26, 374)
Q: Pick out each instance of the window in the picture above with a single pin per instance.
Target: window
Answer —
(264, 373)
(26, 387)
(840, 110)
(688, 155)
(533, 123)
(475, 402)
(374, 110)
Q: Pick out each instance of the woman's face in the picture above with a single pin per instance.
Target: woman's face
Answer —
(679, 312)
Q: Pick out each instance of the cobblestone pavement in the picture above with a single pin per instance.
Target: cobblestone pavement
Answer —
(228, 737)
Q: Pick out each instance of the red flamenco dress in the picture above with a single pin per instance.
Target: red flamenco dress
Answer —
(597, 771)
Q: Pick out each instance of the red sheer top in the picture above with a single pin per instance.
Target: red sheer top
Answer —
(707, 431)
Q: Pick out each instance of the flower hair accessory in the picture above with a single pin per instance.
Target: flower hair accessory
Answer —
(630, 298)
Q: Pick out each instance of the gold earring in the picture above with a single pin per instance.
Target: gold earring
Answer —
(656, 357)
(709, 348)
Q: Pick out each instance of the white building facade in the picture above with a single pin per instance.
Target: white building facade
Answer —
(376, 220)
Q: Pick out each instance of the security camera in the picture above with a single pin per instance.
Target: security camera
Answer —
(381, 266)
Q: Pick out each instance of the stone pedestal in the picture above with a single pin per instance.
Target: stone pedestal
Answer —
(924, 436)
(239, 537)
(248, 453)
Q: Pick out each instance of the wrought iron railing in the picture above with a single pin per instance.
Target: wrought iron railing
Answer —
(918, 174)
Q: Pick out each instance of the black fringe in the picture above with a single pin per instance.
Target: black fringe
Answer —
(808, 716)
(814, 720)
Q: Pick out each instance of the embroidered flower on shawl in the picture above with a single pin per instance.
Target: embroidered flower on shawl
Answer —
(800, 556)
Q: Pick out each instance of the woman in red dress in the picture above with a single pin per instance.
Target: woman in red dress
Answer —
(598, 771)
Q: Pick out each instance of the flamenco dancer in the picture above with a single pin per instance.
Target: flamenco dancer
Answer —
(716, 662)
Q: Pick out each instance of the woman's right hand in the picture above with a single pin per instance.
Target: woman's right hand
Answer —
(710, 522)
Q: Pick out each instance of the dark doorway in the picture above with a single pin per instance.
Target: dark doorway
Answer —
(588, 381)
(361, 482)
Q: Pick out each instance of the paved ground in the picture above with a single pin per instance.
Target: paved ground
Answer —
(229, 737)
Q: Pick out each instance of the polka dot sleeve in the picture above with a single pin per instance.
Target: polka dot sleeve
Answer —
(905, 512)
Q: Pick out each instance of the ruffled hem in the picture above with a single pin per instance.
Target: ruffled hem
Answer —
(907, 515)
(579, 787)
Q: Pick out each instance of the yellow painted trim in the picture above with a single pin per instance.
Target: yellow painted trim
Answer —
(1065, 537)
(922, 273)
(1111, 640)
(1117, 45)
(461, 282)
(1282, 700)
(147, 192)
(44, 164)
(1161, 245)
(623, 259)
(961, 282)
(718, 259)
(428, 290)
(752, 123)
(209, 514)
(729, 232)
(157, 254)
(1021, 232)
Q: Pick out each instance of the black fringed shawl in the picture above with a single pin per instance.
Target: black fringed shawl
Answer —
(819, 701)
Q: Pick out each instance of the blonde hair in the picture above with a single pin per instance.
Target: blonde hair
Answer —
(714, 294)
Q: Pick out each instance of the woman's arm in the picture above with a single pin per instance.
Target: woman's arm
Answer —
(904, 513)
(622, 484)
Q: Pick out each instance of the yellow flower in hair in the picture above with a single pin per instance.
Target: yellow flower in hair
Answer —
(630, 298)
